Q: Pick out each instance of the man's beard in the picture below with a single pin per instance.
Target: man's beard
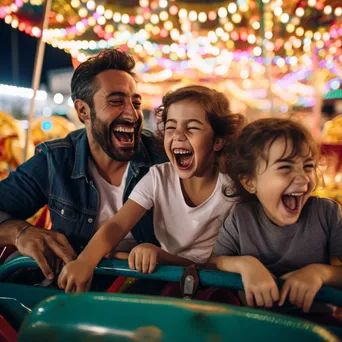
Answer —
(103, 135)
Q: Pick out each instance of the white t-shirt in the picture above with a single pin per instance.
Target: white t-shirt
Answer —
(189, 232)
(110, 202)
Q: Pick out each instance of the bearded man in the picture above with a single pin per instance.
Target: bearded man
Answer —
(86, 177)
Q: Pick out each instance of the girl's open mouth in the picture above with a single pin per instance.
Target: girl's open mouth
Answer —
(125, 135)
(183, 158)
(293, 201)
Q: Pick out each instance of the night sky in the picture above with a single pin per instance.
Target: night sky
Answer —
(53, 59)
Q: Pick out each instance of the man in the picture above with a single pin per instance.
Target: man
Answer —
(85, 177)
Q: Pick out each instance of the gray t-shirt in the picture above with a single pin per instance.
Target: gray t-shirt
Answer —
(315, 238)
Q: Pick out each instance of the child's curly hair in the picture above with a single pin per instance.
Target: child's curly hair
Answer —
(242, 158)
(225, 124)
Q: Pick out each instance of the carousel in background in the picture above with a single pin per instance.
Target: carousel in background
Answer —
(12, 138)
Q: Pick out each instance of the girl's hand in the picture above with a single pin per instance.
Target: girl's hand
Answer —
(259, 283)
(76, 276)
(302, 286)
(143, 258)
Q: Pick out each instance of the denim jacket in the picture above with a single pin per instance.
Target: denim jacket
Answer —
(58, 175)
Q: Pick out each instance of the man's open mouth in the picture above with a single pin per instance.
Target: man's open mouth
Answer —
(293, 201)
(183, 157)
(124, 134)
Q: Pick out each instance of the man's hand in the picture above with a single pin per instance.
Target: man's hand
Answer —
(301, 286)
(143, 258)
(76, 276)
(40, 244)
(259, 283)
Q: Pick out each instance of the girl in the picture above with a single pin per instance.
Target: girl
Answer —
(186, 195)
(278, 229)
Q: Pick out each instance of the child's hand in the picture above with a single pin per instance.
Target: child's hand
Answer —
(302, 286)
(259, 283)
(143, 258)
(76, 276)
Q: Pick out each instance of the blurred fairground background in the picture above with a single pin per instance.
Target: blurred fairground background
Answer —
(280, 58)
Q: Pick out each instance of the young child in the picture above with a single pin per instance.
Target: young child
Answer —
(189, 206)
(278, 229)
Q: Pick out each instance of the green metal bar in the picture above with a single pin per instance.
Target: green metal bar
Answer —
(169, 273)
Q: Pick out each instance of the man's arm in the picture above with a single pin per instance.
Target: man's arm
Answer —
(22, 194)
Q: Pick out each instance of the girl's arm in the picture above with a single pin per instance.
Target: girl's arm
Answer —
(111, 233)
(259, 284)
(76, 276)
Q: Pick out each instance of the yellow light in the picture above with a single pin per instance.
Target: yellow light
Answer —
(80, 26)
(139, 19)
(290, 28)
(299, 31)
(244, 7)
(183, 13)
(244, 74)
(202, 17)
(15, 23)
(338, 11)
(148, 27)
(59, 18)
(75, 3)
(288, 46)
(256, 25)
(162, 3)
(91, 21)
(163, 15)
(309, 34)
(101, 20)
(326, 36)
(222, 12)
(117, 17)
(278, 11)
(280, 62)
(125, 18)
(143, 3)
(225, 36)
(284, 18)
(108, 14)
(219, 31)
(154, 19)
(100, 9)
(320, 44)
(168, 25)
(268, 35)
(300, 11)
(156, 30)
(312, 3)
(251, 39)
(138, 48)
(192, 15)
(317, 36)
(109, 28)
(230, 44)
(229, 27)
(257, 51)
(91, 5)
(236, 17)
(327, 10)
(247, 84)
(232, 8)
(174, 34)
(82, 12)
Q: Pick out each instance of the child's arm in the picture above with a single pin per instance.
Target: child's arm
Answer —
(258, 282)
(76, 275)
(301, 286)
(144, 258)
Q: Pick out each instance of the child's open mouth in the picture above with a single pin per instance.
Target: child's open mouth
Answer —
(124, 134)
(183, 158)
(292, 201)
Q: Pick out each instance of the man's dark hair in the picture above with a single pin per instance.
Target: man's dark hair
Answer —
(83, 82)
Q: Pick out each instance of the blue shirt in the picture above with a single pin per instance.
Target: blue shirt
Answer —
(58, 175)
